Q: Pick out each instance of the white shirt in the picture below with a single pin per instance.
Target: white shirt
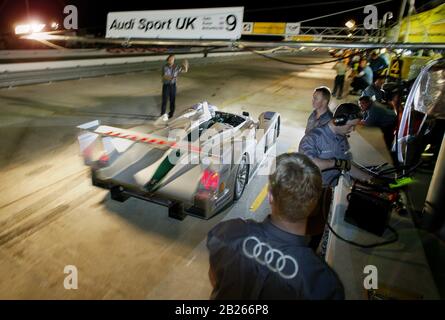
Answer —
(340, 68)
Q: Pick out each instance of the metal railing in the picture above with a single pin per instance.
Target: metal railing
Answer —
(71, 72)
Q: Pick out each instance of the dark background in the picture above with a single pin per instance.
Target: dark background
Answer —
(92, 14)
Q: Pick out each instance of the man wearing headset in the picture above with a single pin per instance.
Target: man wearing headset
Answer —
(328, 148)
(170, 72)
(328, 145)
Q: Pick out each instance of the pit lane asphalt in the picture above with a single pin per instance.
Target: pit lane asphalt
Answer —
(51, 216)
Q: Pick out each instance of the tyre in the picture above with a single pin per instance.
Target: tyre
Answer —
(117, 194)
(242, 175)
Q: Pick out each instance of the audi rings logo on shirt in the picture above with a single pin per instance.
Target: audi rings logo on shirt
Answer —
(268, 258)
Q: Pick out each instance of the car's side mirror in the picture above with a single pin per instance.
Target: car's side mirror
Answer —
(245, 113)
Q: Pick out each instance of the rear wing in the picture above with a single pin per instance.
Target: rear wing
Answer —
(124, 138)
(119, 140)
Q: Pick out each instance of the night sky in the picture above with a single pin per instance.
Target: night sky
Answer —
(92, 14)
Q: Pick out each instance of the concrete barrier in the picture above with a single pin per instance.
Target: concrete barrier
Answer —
(15, 74)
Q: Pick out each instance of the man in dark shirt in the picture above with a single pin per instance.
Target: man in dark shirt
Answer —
(271, 259)
(375, 115)
(377, 64)
(375, 90)
(321, 114)
(170, 72)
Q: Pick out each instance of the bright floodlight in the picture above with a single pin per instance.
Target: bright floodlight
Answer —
(23, 29)
(29, 28)
(54, 25)
(350, 24)
(37, 27)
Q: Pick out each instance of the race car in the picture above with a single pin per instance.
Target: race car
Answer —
(196, 164)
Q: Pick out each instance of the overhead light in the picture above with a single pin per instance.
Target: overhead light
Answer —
(350, 24)
(54, 25)
(349, 35)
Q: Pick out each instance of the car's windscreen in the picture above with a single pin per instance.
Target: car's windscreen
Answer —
(220, 117)
(228, 118)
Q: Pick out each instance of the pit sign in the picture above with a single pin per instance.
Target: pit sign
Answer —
(211, 23)
(395, 69)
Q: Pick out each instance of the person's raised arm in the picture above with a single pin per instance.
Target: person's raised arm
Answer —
(185, 66)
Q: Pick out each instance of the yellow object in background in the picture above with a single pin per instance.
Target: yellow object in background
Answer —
(269, 28)
(305, 37)
(408, 66)
(428, 26)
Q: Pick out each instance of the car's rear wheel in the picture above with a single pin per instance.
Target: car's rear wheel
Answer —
(241, 178)
(117, 194)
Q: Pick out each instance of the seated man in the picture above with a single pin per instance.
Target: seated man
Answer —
(271, 259)
(375, 90)
(375, 115)
(362, 79)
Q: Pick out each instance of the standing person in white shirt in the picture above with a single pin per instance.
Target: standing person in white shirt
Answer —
(170, 72)
(339, 81)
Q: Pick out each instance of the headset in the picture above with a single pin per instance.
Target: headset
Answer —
(343, 117)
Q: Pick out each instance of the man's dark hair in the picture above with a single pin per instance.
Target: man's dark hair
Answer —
(349, 109)
(325, 92)
(365, 98)
(169, 56)
(295, 186)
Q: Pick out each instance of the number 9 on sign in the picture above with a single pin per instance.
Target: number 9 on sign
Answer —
(231, 22)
